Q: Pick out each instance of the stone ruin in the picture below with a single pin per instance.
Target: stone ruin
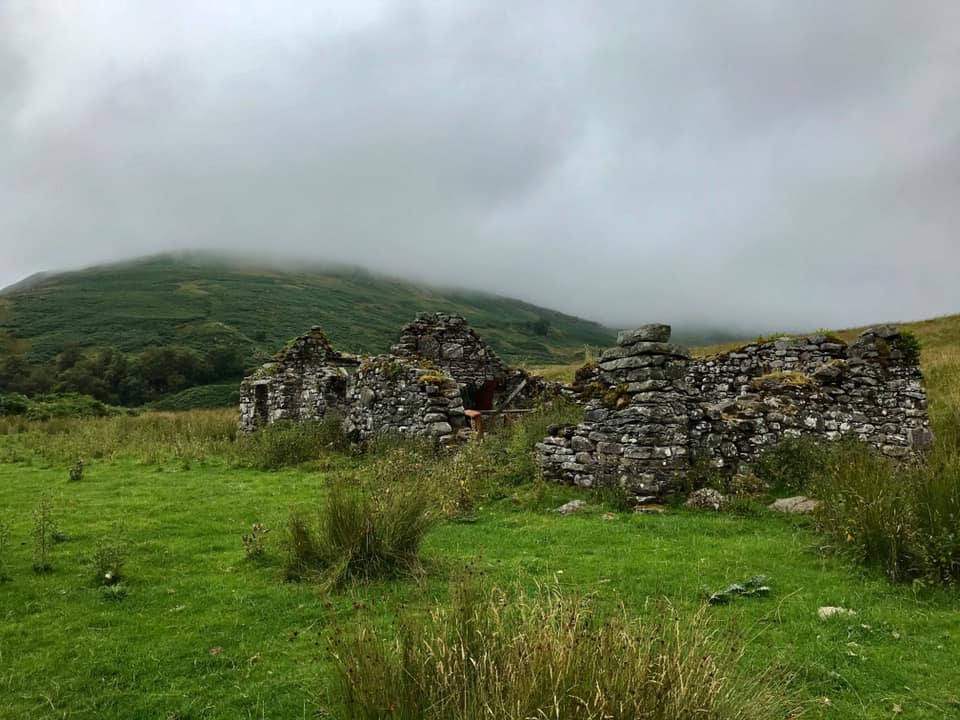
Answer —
(439, 369)
(448, 343)
(652, 412)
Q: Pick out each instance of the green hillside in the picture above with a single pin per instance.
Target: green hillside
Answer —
(197, 302)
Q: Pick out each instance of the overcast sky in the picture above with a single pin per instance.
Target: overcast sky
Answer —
(791, 164)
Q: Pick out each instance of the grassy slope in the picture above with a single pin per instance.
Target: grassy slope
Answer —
(197, 301)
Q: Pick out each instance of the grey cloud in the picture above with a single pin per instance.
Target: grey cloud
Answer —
(747, 164)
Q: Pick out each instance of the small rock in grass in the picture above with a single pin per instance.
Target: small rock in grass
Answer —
(799, 505)
(706, 499)
(650, 510)
(638, 500)
(825, 613)
(609, 516)
(571, 507)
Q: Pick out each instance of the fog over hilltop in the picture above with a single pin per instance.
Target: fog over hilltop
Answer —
(749, 164)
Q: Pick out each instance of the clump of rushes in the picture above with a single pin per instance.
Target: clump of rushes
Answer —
(901, 518)
(360, 535)
(547, 655)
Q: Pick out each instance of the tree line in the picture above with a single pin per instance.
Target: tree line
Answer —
(118, 378)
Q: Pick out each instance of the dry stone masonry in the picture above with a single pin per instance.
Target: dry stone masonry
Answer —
(450, 344)
(305, 380)
(439, 368)
(636, 434)
(390, 395)
(654, 412)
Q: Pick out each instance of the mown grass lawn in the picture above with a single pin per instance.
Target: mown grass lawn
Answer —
(205, 633)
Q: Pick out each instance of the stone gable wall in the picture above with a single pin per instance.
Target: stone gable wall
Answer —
(305, 381)
(446, 341)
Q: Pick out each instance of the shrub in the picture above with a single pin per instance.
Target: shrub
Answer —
(254, 541)
(511, 447)
(4, 541)
(109, 559)
(14, 404)
(909, 345)
(792, 463)
(360, 535)
(547, 656)
(44, 530)
(904, 519)
(76, 471)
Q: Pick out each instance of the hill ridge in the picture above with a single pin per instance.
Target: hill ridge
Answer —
(196, 299)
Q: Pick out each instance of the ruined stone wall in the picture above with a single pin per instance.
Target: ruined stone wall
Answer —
(306, 380)
(309, 380)
(636, 434)
(392, 396)
(748, 400)
(658, 411)
(446, 341)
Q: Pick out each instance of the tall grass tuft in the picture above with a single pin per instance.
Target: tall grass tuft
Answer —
(4, 542)
(904, 519)
(43, 534)
(286, 443)
(546, 655)
(360, 535)
(792, 464)
(512, 446)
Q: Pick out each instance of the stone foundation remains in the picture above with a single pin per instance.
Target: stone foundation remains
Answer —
(654, 411)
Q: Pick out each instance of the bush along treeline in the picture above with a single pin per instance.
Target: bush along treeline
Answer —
(116, 378)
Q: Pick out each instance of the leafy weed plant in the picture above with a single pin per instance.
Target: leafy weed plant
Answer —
(43, 534)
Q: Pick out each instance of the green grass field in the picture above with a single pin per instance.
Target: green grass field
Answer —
(203, 632)
(65, 652)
